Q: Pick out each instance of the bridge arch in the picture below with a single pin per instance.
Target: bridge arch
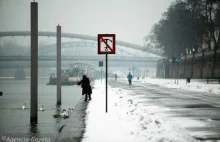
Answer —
(76, 44)
(80, 36)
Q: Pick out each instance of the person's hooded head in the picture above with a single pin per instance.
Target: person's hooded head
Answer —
(84, 76)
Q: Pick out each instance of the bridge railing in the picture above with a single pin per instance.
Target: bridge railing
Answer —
(99, 57)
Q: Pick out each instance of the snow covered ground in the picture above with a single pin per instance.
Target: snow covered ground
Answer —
(194, 85)
(126, 120)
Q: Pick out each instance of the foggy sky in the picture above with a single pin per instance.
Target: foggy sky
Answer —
(130, 20)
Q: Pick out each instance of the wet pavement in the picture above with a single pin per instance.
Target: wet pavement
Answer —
(73, 129)
(198, 112)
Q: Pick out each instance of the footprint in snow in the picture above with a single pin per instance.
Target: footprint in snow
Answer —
(141, 118)
(157, 122)
(131, 101)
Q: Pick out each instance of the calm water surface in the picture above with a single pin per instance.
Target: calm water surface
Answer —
(15, 121)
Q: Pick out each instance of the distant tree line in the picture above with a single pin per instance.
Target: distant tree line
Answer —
(187, 26)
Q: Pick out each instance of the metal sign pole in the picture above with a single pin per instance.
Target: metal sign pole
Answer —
(100, 65)
(108, 49)
(106, 82)
(177, 72)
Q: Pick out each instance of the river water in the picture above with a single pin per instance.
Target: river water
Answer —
(15, 122)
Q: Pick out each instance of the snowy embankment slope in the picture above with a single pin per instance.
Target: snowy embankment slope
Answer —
(126, 120)
(194, 85)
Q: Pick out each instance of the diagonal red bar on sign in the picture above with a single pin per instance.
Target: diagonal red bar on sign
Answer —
(106, 43)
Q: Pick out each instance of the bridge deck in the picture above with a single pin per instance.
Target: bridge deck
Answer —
(75, 58)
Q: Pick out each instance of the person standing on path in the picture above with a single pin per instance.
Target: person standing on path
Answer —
(129, 78)
(86, 88)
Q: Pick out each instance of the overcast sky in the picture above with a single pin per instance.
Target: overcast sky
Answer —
(130, 20)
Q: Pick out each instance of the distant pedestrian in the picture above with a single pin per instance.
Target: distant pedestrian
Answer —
(86, 88)
(116, 77)
(129, 78)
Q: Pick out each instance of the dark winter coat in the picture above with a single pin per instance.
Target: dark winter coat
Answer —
(85, 84)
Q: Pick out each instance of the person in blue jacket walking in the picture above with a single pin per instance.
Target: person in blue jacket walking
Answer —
(129, 78)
